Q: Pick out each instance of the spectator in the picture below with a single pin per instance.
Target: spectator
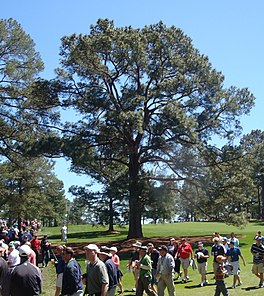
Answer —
(25, 278)
(64, 230)
(154, 256)
(132, 262)
(45, 251)
(202, 255)
(171, 246)
(224, 243)
(13, 257)
(32, 256)
(220, 277)
(145, 276)
(217, 249)
(111, 270)
(59, 264)
(257, 250)
(185, 253)
(72, 275)
(177, 261)
(234, 239)
(96, 277)
(116, 260)
(165, 272)
(35, 245)
(233, 254)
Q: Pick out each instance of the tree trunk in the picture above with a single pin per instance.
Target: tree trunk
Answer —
(111, 215)
(135, 205)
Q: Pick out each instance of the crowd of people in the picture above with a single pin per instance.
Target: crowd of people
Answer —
(154, 269)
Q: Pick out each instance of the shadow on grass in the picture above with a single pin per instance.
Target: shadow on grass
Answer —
(90, 235)
(250, 288)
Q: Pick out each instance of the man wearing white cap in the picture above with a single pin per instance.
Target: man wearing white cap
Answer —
(132, 262)
(25, 278)
(96, 277)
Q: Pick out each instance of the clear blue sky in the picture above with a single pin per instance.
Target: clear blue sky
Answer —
(229, 32)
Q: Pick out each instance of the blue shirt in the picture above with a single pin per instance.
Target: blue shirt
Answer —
(234, 253)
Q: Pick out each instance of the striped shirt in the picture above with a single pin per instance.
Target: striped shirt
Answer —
(258, 253)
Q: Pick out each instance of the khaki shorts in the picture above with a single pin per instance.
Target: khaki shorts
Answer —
(185, 262)
(59, 280)
(202, 267)
(257, 268)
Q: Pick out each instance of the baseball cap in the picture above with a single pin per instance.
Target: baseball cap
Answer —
(143, 248)
(257, 237)
(92, 247)
(24, 251)
(216, 239)
(137, 244)
(114, 249)
(163, 247)
(199, 244)
(104, 253)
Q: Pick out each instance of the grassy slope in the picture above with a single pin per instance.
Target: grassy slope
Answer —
(87, 234)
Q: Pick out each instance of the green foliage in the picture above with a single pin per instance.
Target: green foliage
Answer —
(29, 189)
(143, 95)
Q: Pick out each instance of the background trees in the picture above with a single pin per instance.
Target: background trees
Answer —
(144, 105)
(29, 188)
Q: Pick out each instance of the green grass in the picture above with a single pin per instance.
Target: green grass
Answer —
(88, 234)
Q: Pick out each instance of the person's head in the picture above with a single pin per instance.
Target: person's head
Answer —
(137, 245)
(11, 246)
(224, 240)
(232, 234)
(175, 243)
(172, 240)
(231, 244)
(200, 245)
(150, 247)
(163, 250)
(220, 259)
(183, 241)
(91, 252)
(142, 251)
(104, 255)
(67, 254)
(24, 252)
(216, 234)
(113, 250)
(60, 249)
(216, 241)
(258, 240)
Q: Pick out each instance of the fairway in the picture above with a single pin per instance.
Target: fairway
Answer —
(87, 234)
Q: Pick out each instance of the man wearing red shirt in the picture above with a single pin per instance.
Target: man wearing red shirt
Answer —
(35, 245)
(185, 253)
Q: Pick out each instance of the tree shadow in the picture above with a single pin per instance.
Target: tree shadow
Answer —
(89, 235)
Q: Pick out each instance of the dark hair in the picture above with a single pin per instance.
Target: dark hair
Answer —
(68, 250)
